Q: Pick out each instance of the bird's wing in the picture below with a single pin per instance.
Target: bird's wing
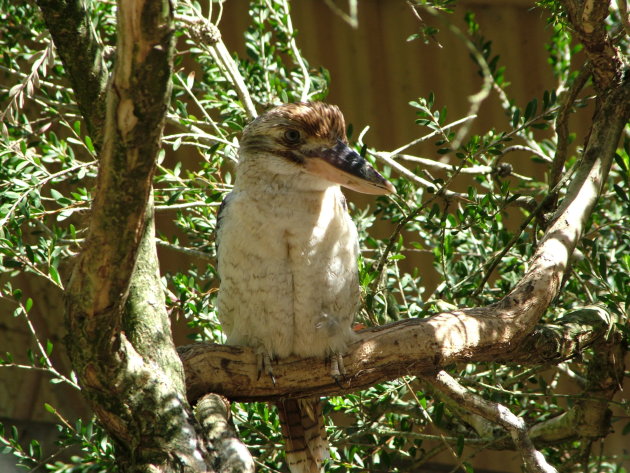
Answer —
(220, 216)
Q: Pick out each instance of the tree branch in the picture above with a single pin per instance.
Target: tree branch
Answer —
(119, 339)
(533, 460)
(213, 413)
(376, 357)
(81, 53)
(588, 19)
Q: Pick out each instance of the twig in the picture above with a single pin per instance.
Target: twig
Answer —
(31, 81)
(442, 191)
(562, 125)
(195, 131)
(237, 79)
(528, 149)
(48, 365)
(533, 460)
(187, 205)
(199, 106)
(208, 35)
(187, 251)
(497, 259)
(431, 135)
(437, 165)
(297, 55)
(476, 99)
(448, 194)
(352, 19)
(40, 183)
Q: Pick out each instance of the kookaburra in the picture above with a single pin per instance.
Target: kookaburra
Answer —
(287, 252)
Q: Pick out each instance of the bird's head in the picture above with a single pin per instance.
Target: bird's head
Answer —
(309, 140)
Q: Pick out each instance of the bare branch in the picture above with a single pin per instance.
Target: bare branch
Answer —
(382, 353)
(533, 460)
(562, 125)
(225, 448)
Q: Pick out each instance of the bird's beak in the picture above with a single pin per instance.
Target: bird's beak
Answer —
(344, 166)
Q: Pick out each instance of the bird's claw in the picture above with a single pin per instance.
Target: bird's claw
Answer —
(337, 368)
(263, 362)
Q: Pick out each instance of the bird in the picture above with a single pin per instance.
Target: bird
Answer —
(287, 253)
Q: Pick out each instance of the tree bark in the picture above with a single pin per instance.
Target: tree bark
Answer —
(232, 372)
(119, 332)
(81, 53)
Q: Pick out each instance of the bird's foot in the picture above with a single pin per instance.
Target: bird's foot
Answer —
(337, 368)
(263, 362)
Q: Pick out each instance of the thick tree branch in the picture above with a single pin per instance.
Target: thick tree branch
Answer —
(225, 448)
(588, 19)
(81, 53)
(135, 117)
(119, 332)
(232, 370)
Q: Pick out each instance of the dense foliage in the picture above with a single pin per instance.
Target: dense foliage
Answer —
(48, 164)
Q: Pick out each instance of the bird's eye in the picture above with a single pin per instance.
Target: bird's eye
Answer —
(292, 136)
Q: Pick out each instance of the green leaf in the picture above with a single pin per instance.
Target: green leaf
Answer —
(56, 195)
(54, 275)
(516, 117)
(620, 192)
(89, 144)
(623, 161)
(397, 257)
(530, 110)
(459, 448)
(438, 413)
(603, 265)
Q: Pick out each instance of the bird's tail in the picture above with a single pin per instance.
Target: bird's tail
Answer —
(304, 434)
